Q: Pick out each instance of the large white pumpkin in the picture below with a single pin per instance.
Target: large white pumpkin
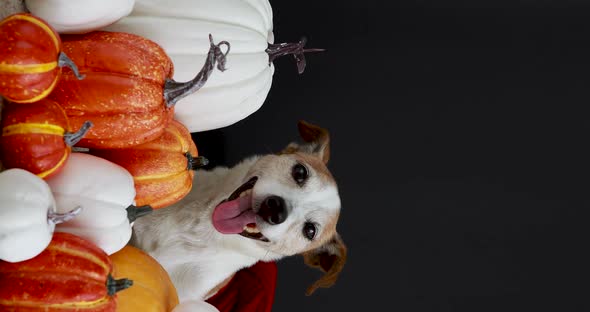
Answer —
(182, 28)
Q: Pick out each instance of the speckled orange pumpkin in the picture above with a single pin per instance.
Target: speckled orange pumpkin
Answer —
(30, 58)
(37, 137)
(162, 169)
(127, 93)
(71, 274)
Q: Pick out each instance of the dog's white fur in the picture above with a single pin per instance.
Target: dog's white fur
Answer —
(198, 258)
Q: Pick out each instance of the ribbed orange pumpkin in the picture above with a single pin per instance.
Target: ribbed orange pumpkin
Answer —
(37, 137)
(127, 92)
(30, 58)
(152, 290)
(162, 169)
(71, 274)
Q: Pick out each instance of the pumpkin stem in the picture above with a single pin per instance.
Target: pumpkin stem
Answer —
(276, 50)
(77, 149)
(195, 163)
(57, 218)
(134, 212)
(64, 60)
(113, 285)
(174, 91)
(72, 138)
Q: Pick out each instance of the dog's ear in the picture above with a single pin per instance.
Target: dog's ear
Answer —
(329, 258)
(317, 141)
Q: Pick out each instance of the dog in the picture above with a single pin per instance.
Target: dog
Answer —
(265, 208)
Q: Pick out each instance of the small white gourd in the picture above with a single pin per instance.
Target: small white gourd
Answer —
(27, 215)
(194, 305)
(79, 16)
(106, 191)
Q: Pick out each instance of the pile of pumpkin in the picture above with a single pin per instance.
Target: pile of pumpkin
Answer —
(115, 103)
(96, 132)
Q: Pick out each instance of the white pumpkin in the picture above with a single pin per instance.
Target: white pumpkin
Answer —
(81, 16)
(27, 215)
(193, 306)
(105, 190)
(182, 28)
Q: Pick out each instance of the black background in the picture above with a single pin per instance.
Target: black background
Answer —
(459, 140)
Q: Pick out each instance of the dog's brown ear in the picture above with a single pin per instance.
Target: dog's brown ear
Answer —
(317, 139)
(329, 258)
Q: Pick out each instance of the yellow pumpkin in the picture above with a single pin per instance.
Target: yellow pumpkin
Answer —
(152, 289)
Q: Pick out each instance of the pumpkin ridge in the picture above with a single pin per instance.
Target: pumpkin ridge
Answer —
(224, 22)
(263, 13)
(161, 176)
(49, 273)
(80, 254)
(253, 77)
(27, 68)
(184, 147)
(41, 95)
(93, 70)
(133, 101)
(39, 24)
(32, 127)
(178, 194)
(81, 292)
(57, 166)
(79, 113)
(159, 148)
(126, 40)
(66, 305)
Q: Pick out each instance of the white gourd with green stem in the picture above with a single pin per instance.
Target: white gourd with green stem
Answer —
(106, 191)
(28, 215)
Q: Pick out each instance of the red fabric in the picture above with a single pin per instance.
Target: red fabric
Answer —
(251, 289)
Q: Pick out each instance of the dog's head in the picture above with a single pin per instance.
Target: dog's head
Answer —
(289, 204)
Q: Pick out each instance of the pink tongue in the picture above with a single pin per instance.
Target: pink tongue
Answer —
(230, 217)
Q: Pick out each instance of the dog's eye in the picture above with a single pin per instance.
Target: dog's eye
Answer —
(309, 230)
(299, 173)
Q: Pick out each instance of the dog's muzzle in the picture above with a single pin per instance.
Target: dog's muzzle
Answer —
(235, 215)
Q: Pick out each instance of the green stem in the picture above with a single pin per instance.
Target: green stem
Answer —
(114, 286)
(76, 149)
(195, 163)
(276, 50)
(174, 91)
(64, 60)
(72, 138)
(134, 212)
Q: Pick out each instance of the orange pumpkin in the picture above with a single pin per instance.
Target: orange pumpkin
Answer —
(162, 169)
(71, 274)
(30, 58)
(152, 291)
(128, 93)
(37, 137)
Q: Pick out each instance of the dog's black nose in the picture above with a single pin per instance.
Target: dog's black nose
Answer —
(273, 210)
